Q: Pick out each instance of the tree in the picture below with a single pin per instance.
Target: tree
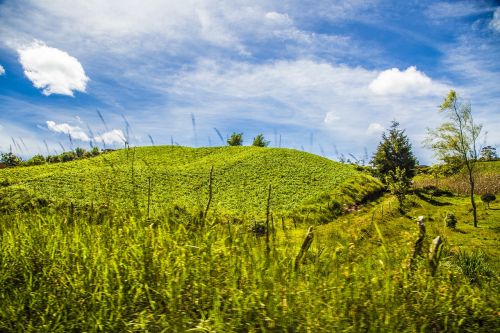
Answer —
(398, 183)
(10, 159)
(36, 160)
(236, 139)
(259, 141)
(457, 139)
(488, 153)
(394, 151)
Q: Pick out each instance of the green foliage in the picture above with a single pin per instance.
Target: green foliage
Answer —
(487, 198)
(457, 139)
(10, 159)
(474, 265)
(236, 139)
(399, 184)
(36, 160)
(488, 153)
(259, 141)
(95, 151)
(394, 151)
(80, 152)
(450, 220)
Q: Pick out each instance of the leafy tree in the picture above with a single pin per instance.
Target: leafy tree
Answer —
(236, 139)
(95, 151)
(10, 159)
(259, 141)
(393, 152)
(488, 153)
(398, 183)
(36, 160)
(80, 152)
(457, 139)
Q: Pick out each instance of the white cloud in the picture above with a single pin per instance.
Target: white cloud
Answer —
(111, 137)
(76, 132)
(410, 81)
(456, 9)
(495, 22)
(2, 70)
(331, 118)
(375, 128)
(52, 70)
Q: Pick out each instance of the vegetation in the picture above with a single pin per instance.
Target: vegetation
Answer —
(394, 151)
(487, 198)
(178, 239)
(488, 153)
(236, 139)
(259, 141)
(457, 139)
(180, 175)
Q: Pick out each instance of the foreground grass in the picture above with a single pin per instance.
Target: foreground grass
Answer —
(61, 273)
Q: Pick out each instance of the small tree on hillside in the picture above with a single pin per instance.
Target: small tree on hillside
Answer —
(259, 141)
(236, 139)
(488, 153)
(10, 159)
(394, 151)
(457, 139)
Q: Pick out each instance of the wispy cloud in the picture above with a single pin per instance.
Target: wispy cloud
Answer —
(2, 70)
(495, 22)
(52, 70)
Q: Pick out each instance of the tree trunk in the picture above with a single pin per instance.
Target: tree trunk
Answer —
(473, 203)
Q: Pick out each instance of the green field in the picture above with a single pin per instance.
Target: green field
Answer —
(78, 252)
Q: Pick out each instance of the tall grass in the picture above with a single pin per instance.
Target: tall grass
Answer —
(122, 273)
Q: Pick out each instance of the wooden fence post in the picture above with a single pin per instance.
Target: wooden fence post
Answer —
(305, 246)
(417, 248)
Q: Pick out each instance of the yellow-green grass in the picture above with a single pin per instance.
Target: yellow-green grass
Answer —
(180, 176)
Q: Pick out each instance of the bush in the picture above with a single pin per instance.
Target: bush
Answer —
(487, 198)
(450, 220)
(10, 159)
(236, 139)
(259, 141)
(36, 160)
(68, 156)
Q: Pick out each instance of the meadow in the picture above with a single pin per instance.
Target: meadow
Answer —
(121, 243)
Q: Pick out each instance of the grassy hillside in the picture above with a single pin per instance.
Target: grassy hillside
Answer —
(180, 176)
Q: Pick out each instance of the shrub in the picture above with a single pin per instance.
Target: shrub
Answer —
(450, 220)
(36, 160)
(68, 156)
(80, 152)
(487, 198)
(236, 139)
(259, 141)
(10, 159)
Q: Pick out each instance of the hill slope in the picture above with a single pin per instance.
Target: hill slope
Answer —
(180, 175)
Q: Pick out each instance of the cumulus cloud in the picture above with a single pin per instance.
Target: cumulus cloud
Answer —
(76, 132)
(396, 82)
(52, 70)
(495, 22)
(111, 137)
(2, 70)
(375, 128)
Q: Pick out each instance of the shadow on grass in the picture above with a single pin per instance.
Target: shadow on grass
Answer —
(431, 200)
(460, 231)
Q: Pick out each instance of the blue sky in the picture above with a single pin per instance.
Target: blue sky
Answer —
(324, 76)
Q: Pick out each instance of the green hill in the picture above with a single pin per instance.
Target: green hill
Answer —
(180, 176)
